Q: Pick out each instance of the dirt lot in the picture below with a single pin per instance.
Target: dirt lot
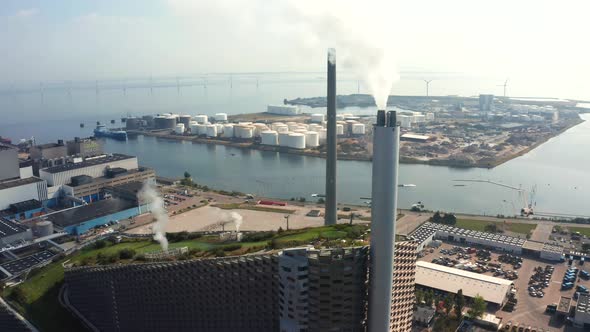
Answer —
(530, 311)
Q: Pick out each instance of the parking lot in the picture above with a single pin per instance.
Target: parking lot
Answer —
(530, 309)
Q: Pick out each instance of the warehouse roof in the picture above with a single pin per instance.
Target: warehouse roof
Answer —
(450, 280)
(414, 136)
(8, 228)
(88, 162)
(88, 212)
(18, 182)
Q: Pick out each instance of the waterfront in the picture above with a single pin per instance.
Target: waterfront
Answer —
(557, 168)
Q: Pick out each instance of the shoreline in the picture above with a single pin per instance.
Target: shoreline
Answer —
(308, 153)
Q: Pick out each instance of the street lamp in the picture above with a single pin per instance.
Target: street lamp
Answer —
(287, 217)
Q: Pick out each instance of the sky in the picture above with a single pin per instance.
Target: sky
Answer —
(539, 45)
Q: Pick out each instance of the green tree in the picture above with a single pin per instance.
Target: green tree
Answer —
(449, 219)
(126, 253)
(459, 303)
(491, 228)
(436, 217)
(449, 303)
(419, 296)
(187, 175)
(18, 295)
(478, 307)
(429, 297)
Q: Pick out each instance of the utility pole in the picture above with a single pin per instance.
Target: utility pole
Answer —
(287, 218)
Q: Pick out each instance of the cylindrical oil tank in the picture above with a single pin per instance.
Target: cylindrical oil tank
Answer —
(211, 131)
(149, 120)
(228, 130)
(259, 128)
(339, 117)
(282, 129)
(179, 129)
(269, 137)
(132, 123)
(194, 127)
(317, 118)
(201, 129)
(274, 125)
(284, 138)
(315, 127)
(358, 129)
(165, 122)
(293, 126)
(202, 119)
(185, 120)
(44, 228)
(297, 141)
(323, 133)
(339, 129)
(219, 129)
(244, 131)
(301, 131)
(312, 139)
(220, 117)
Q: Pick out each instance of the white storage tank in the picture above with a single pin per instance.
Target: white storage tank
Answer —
(315, 127)
(184, 119)
(339, 129)
(293, 126)
(220, 117)
(297, 141)
(201, 129)
(312, 139)
(259, 128)
(300, 130)
(284, 138)
(219, 129)
(194, 127)
(323, 133)
(274, 125)
(358, 129)
(282, 129)
(318, 118)
(179, 129)
(211, 131)
(353, 118)
(269, 137)
(429, 116)
(244, 131)
(202, 119)
(339, 117)
(228, 130)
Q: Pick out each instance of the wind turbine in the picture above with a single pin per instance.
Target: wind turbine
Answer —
(504, 85)
(427, 86)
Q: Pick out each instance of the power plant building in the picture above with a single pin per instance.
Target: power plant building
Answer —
(12, 232)
(301, 289)
(93, 167)
(84, 147)
(9, 168)
(20, 190)
(486, 103)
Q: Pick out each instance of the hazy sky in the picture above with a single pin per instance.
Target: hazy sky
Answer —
(540, 45)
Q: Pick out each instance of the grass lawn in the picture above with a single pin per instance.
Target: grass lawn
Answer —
(479, 225)
(582, 230)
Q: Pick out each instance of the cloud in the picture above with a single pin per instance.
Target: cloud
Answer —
(27, 12)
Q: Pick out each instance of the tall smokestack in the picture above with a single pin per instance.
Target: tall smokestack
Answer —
(330, 214)
(383, 216)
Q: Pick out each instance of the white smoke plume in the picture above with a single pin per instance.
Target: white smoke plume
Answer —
(233, 217)
(362, 32)
(150, 195)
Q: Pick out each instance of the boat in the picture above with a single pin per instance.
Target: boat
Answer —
(406, 185)
(102, 131)
(458, 185)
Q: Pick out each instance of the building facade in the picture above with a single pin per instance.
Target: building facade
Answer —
(95, 167)
(84, 147)
(9, 168)
(222, 294)
(297, 290)
(20, 190)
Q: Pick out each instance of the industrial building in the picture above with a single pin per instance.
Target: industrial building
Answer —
(84, 147)
(301, 289)
(283, 109)
(50, 154)
(429, 231)
(93, 167)
(20, 190)
(415, 138)
(486, 103)
(78, 220)
(92, 189)
(582, 315)
(447, 279)
(11, 232)
(9, 168)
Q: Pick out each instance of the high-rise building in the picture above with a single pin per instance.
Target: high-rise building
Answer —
(486, 103)
(301, 289)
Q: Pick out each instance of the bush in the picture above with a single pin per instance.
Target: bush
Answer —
(256, 237)
(104, 259)
(100, 244)
(232, 247)
(126, 253)
(18, 295)
(140, 258)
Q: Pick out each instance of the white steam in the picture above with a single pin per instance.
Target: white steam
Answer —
(362, 32)
(150, 195)
(232, 217)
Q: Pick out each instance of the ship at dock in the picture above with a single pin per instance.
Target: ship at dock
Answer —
(102, 131)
